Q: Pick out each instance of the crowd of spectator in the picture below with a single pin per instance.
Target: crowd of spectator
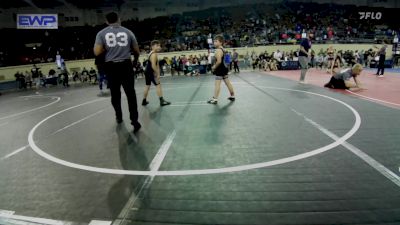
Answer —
(328, 59)
(247, 25)
(193, 65)
(56, 76)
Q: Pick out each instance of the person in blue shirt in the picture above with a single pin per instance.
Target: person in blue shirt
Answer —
(228, 60)
(304, 55)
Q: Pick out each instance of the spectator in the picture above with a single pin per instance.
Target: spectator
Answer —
(336, 65)
(162, 65)
(277, 55)
(331, 57)
(92, 73)
(247, 62)
(235, 59)
(76, 76)
(20, 79)
(64, 75)
(357, 57)
(138, 69)
(36, 75)
(319, 61)
(282, 22)
(228, 60)
(28, 78)
(84, 75)
(100, 64)
(381, 62)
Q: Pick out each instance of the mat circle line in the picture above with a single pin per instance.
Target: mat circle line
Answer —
(231, 169)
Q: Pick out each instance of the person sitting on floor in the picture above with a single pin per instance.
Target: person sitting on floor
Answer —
(84, 75)
(92, 74)
(20, 78)
(341, 80)
(319, 61)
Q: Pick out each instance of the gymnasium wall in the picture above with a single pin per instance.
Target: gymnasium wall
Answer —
(7, 73)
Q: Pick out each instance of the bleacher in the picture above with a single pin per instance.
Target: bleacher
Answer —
(244, 25)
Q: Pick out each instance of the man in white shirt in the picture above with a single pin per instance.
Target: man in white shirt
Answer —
(278, 55)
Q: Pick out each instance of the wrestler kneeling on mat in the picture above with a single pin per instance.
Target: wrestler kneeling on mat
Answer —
(341, 80)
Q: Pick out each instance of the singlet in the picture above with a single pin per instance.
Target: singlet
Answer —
(222, 69)
(149, 69)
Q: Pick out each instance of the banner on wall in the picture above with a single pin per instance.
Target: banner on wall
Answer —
(37, 21)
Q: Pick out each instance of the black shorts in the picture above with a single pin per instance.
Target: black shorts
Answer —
(150, 78)
(221, 71)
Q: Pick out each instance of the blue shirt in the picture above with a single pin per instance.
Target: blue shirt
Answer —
(227, 58)
(306, 45)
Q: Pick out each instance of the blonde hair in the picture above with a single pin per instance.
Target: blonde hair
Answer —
(357, 68)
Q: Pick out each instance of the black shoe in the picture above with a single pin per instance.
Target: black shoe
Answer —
(145, 102)
(231, 98)
(136, 127)
(119, 121)
(164, 103)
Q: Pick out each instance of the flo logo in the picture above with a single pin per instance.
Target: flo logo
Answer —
(370, 15)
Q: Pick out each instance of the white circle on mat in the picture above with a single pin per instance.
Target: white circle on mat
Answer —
(308, 154)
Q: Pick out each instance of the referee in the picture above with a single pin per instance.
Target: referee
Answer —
(117, 43)
(381, 62)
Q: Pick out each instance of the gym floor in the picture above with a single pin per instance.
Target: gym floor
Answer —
(282, 153)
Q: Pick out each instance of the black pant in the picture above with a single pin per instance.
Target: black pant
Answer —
(65, 80)
(254, 66)
(118, 74)
(381, 65)
(94, 76)
(236, 66)
(161, 71)
(21, 83)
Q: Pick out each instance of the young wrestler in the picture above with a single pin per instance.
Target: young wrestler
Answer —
(342, 80)
(152, 74)
(220, 71)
